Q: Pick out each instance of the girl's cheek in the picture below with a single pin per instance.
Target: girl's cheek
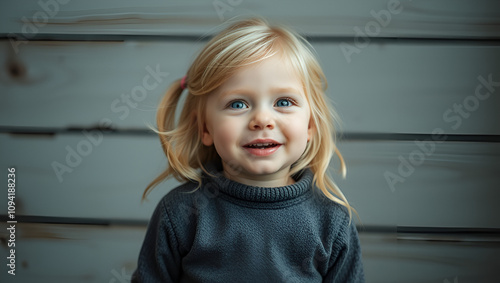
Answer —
(298, 120)
(226, 131)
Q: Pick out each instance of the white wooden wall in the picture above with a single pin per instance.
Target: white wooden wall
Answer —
(413, 96)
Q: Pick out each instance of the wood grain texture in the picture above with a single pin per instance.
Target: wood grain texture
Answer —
(386, 88)
(417, 69)
(423, 19)
(455, 185)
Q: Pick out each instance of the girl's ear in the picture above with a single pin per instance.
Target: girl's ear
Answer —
(310, 130)
(206, 137)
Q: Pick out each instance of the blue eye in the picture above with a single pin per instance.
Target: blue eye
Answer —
(283, 103)
(237, 105)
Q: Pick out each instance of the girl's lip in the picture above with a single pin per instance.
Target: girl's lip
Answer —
(266, 151)
(271, 147)
(260, 141)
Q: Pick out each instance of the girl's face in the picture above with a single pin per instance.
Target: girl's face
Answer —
(259, 123)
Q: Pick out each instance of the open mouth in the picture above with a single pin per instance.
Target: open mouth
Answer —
(261, 145)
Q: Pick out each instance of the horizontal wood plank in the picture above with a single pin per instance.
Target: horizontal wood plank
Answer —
(69, 176)
(393, 259)
(89, 253)
(452, 184)
(425, 19)
(73, 253)
(424, 184)
(386, 88)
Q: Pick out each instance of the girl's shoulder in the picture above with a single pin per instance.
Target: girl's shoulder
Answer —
(184, 194)
(328, 206)
(176, 213)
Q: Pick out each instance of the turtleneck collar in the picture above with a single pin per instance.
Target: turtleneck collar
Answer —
(303, 181)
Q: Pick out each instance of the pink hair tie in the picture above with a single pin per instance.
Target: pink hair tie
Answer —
(183, 82)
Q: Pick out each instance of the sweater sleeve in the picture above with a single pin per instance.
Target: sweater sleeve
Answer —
(347, 265)
(159, 258)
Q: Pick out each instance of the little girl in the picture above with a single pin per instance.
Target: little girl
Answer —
(253, 145)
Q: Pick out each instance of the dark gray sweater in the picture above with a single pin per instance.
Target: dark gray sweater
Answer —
(229, 232)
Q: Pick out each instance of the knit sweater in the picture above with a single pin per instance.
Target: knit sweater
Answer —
(226, 231)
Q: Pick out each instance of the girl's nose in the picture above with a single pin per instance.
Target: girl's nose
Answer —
(262, 120)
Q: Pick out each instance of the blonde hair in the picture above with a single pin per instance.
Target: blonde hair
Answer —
(244, 43)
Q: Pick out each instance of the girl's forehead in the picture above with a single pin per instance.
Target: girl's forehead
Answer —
(275, 72)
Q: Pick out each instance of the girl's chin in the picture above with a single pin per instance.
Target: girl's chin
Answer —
(259, 169)
(261, 173)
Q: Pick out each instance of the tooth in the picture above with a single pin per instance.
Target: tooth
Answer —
(262, 144)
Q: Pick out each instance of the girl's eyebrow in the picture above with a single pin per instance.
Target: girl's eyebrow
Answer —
(273, 91)
(285, 89)
(232, 91)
